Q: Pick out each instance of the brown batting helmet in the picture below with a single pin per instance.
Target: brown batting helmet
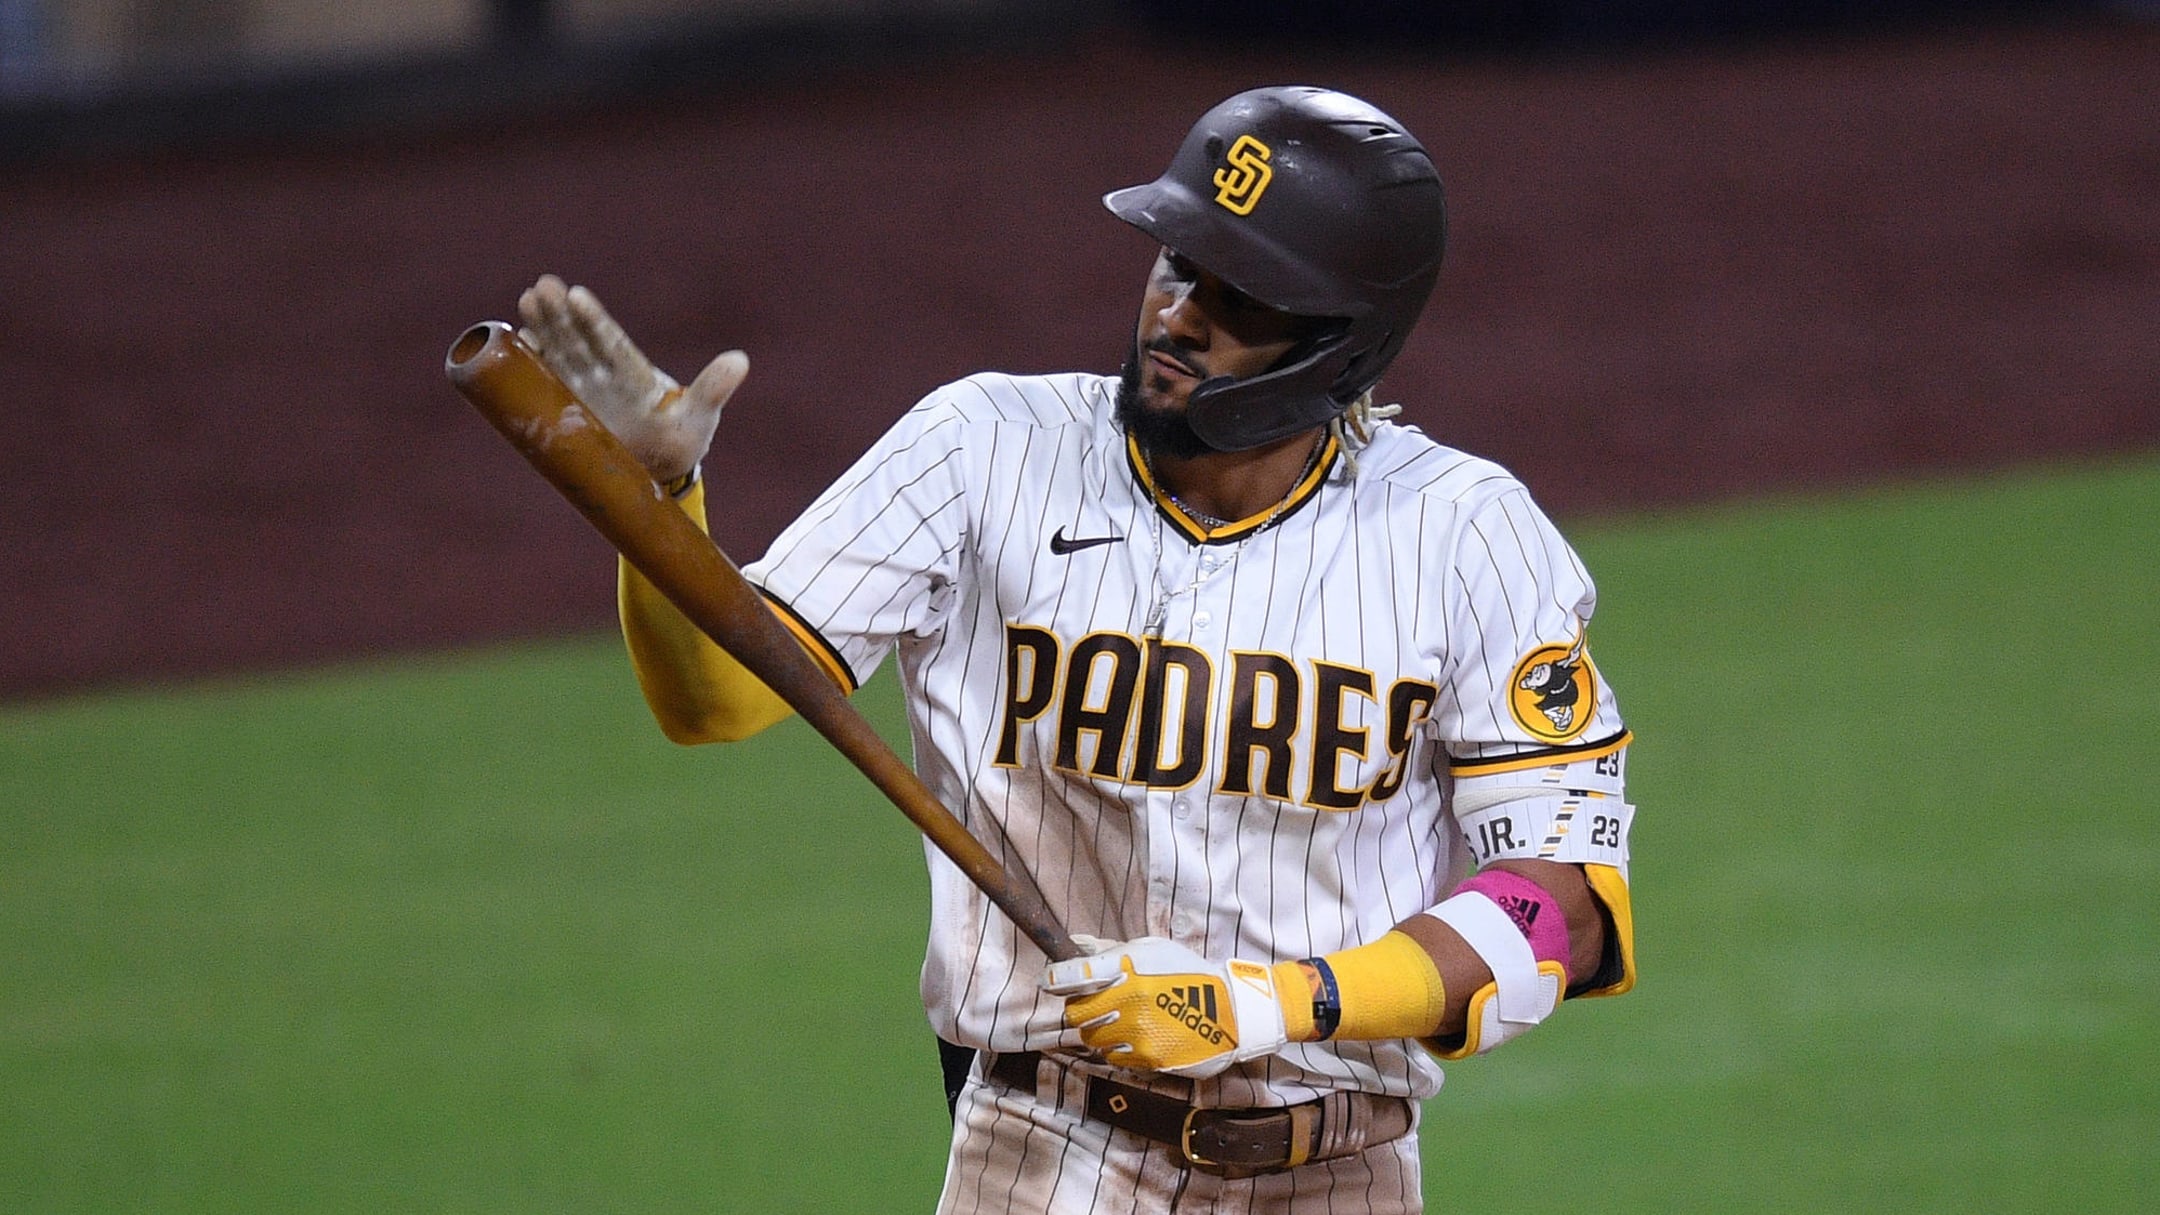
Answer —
(1316, 203)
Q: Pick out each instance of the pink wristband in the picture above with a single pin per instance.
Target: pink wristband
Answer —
(1535, 911)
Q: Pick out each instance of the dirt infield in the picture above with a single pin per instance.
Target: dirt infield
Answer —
(1696, 274)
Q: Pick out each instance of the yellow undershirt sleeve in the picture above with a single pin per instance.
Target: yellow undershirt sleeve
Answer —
(696, 690)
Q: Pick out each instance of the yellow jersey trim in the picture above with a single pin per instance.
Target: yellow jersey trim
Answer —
(1200, 533)
(1543, 758)
(820, 650)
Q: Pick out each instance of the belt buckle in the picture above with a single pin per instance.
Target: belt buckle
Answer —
(1185, 1146)
(1304, 1120)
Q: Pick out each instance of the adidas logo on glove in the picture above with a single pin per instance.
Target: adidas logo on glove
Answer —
(1194, 1008)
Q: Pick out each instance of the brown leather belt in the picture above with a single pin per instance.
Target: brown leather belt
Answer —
(1229, 1142)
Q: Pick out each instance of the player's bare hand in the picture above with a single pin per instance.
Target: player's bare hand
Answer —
(666, 426)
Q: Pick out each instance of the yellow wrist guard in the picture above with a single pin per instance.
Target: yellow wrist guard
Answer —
(1388, 989)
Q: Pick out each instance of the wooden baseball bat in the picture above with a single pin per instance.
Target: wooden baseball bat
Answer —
(570, 447)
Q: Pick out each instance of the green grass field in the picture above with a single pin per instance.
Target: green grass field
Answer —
(465, 935)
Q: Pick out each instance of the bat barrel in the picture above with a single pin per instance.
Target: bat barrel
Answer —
(469, 345)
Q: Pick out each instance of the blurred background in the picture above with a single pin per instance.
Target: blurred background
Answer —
(345, 871)
(1700, 250)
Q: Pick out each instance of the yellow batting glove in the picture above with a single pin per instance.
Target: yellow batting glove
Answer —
(1155, 1005)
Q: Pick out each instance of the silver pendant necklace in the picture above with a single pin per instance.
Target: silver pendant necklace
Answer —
(1207, 568)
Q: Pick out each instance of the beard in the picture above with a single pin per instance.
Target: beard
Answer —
(1161, 433)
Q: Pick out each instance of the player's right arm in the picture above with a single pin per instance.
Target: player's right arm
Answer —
(697, 692)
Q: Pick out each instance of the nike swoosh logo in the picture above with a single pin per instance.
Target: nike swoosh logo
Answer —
(1063, 547)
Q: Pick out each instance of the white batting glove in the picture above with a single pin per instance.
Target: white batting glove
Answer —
(666, 426)
(1155, 1005)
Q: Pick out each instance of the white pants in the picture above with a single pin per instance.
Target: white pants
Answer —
(1012, 1152)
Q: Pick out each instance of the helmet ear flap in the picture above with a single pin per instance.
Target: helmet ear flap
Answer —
(1363, 371)
(1288, 399)
(1325, 331)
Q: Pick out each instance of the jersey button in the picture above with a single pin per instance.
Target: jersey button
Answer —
(1201, 620)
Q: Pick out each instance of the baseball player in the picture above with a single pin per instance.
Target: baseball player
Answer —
(1287, 708)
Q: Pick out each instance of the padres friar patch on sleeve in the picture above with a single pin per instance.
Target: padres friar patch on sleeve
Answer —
(1553, 692)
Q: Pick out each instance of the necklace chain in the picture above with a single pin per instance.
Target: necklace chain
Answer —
(1161, 608)
(1312, 461)
(1158, 613)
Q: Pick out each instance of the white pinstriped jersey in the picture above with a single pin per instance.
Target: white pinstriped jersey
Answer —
(1268, 777)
